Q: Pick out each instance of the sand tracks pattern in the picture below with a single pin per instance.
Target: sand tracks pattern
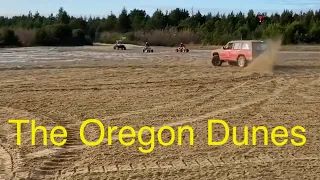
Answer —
(54, 163)
(177, 164)
(189, 120)
(224, 91)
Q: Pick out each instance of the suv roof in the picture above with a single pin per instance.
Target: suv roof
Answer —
(243, 41)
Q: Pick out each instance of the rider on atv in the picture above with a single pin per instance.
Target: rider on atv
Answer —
(182, 45)
(147, 44)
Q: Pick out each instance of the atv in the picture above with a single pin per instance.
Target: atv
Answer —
(119, 45)
(147, 49)
(182, 49)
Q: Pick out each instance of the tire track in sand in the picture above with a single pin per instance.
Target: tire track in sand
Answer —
(176, 103)
(155, 108)
(148, 165)
(209, 115)
(53, 164)
(11, 161)
(168, 105)
(6, 165)
(308, 97)
(47, 152)
(177, 164)
(189, 164)
(198, 162)
(188, 120)
(57, 161)
(63, 158)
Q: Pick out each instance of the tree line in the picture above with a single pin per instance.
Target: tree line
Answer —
(161, 28)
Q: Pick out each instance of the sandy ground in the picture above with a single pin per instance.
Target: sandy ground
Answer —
(67, 85)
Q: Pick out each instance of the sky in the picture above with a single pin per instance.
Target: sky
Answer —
(104, 7)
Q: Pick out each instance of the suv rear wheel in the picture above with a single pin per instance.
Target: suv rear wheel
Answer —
(216, 61)
(242, 62)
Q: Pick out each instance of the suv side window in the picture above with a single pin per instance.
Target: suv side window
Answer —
(245, 46)
(237, 46)
(229, 46)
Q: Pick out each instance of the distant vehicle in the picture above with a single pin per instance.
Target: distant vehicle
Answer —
(119, 45)
(240, 52)
(147, 49)
(182, 49)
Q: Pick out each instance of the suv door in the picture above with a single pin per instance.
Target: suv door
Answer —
(235, 52)
(246, 50)
(225, 54)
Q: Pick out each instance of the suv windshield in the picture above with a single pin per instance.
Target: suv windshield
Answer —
(260, 46)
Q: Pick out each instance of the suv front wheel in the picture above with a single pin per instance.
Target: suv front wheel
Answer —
(216, 61)
(242, 62)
